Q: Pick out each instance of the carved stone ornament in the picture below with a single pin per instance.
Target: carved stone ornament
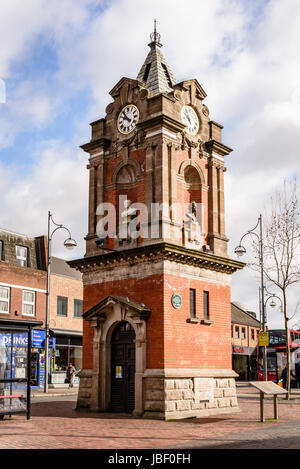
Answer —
(144, 93)
(205, 110)
(109, 108)
(186, 142)
(177, 95)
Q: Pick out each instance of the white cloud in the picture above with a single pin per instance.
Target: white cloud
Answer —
(57, 182)
(244, 54)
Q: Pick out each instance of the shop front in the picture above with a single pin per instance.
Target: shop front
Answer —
(244, 362)
(68, 349)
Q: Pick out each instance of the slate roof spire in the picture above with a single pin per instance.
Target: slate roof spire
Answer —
(155, 72)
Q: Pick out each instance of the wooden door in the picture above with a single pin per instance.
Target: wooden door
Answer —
(122, 368)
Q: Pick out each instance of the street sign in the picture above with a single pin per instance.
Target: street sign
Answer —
(263, 339)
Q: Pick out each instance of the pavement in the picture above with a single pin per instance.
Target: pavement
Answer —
(55, 424)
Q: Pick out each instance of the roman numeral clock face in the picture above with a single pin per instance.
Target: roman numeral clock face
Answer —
(190, 119)
(128, 118)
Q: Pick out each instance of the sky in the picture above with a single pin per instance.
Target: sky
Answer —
(60, 59)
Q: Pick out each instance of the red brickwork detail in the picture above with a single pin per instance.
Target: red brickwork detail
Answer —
(172, 342)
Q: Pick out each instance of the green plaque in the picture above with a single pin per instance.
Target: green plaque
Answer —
(176, 301)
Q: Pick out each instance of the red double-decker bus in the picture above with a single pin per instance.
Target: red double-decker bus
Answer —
(276, 354)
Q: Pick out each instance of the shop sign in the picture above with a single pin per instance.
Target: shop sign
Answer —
(238, 349)
(20, 339)
(176, 301)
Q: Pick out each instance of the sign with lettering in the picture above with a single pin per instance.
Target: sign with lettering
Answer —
(263, 339)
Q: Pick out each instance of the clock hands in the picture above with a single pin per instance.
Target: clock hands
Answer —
(126, 117)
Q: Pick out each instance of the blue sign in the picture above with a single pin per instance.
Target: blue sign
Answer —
(20, 339)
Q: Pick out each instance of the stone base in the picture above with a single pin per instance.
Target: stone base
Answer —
(179, 394)
(176, 394)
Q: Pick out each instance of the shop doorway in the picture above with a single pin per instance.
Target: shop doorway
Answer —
(123, 368)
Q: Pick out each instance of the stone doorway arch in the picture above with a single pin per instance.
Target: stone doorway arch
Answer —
(104, 317)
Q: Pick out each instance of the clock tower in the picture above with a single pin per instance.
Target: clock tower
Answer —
(156, 273)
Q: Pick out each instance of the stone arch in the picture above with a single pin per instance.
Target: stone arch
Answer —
(191, 168)
(104, 317)
(126, 173)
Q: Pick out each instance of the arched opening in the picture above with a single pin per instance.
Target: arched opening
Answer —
(123, 368)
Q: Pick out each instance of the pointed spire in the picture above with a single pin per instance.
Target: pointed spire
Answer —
(155, 72)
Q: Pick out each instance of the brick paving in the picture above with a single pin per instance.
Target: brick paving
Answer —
(55, 424)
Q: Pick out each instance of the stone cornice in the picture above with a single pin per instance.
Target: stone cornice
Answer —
(102, 142)
(218, 147)
(156, 253)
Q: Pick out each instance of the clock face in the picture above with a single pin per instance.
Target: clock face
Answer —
(190, 119)
(128, 119)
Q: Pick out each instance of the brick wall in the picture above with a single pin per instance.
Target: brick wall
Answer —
(23, 278)
(172, 342)
(72, 289)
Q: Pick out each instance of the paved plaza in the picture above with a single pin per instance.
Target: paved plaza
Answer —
(55, 424)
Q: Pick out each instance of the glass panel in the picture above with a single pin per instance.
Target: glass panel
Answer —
(13, 365)
(4, 306)
(4, 292)
(28, 296)
(277, 337)
(28, 310)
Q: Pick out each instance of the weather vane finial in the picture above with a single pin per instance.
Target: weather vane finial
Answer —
(155, 38)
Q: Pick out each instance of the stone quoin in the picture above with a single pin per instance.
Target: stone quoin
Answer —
(157, 311)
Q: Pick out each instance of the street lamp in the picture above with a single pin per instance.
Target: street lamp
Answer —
(69, 243)
(240, 250)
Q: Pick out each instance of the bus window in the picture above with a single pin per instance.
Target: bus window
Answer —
(277, 337)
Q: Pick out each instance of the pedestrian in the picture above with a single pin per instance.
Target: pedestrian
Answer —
(71, 371)
(297, 373)
(283, 377)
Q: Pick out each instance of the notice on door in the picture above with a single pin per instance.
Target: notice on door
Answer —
(118, 371)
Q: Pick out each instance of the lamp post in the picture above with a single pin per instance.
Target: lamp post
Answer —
(69, 243)
(240, 250)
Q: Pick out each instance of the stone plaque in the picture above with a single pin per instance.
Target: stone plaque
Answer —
(176, 301)
(204, 389)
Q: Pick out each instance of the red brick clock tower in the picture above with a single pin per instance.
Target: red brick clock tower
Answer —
(156, 273)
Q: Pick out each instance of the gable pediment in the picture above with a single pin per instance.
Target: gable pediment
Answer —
(105, 306)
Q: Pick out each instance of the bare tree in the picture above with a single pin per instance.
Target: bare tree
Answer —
(281, 250)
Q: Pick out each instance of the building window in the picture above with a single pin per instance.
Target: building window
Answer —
(206, 304)
(237, 332)
(192, 302)
(1, 251)
(4, 300)
(22, 256)
(232, 332)
(28, 304)
(62, 306)
(243, 333)
(78, 308)
(252, 334)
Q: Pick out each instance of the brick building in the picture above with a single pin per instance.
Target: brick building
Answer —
(156, 273)
(244, 335)
(23, 296)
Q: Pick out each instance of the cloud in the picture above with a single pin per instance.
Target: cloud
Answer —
(244, 54)
(57, 182)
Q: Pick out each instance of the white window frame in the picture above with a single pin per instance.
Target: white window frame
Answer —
(20, 258)
(31, 303)
(7, 300)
